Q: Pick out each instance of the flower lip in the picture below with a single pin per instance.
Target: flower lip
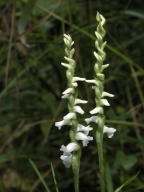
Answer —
(69, 116)
(78, 109)
(80, 101)
(109, 131)
(91, 119)
(85, 129)
(84, 138)
(96, 110)
(68, 91)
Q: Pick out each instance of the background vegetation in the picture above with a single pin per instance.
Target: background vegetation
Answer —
(32, 79)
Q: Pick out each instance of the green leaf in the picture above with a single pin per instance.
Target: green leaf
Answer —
(127, 182)
(25, 16)
(39, 175)
(134, 13)
(125, 161)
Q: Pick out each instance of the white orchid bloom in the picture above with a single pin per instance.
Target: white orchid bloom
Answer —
(78, 109)
(96, 110)
(85, 129)
(109, 131)
(69, 116)
(84, 138)
(59, 124)
(80, 101)
(67, 153)
(68, 91)
(78, 79)
(106, 94)
(91, 119)
(105, 102)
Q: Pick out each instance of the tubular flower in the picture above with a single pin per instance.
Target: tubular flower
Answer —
(71, 152)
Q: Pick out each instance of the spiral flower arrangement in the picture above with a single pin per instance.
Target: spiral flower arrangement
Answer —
(78, 132)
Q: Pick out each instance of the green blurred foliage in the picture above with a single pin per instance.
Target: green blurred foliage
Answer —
(32, 79)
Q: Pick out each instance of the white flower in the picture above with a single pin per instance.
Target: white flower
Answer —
(78, 79)
(90, 81)
(80, 101)
(105, 102)
(106, 94)
(68, 91)
(65, 96)
(91, 119)
(109, 131)
(84, 138)
(66, 160)
(67, 150)
(85, 129)
(65, 65)
(78, 109)
(59, 124)
(67, 153)
(96, 110)
(69, 116)
(75, 84)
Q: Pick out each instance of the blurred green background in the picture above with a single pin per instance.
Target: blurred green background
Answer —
(32, 79)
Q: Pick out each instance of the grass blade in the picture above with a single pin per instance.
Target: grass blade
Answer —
(54, 178)
(39, 175)
(127, 182)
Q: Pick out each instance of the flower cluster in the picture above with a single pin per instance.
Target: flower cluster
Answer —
(78, 131)
(98, 83)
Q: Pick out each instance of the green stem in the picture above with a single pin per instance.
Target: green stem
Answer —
(99, 140)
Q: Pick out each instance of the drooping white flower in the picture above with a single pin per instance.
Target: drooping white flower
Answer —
(90, 81)
(68, 91)
(96, 110)
(78, 79)
(67, 153)
(65, 96)
(106, 94)
(69, 148)
(105, 102)
(65, 65)
(75, 84)
(109, 131)
(59, 124)
(66, 160)
(91, 119)
(69, 116)
(80, 101)
(85, 129)
(84, 138)
(78, 109)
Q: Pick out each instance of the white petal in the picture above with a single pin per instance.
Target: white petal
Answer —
(59, 124)
(91, 119)
(84, 138)
(66, 160)
(67, 91)
(105, 66)
(69, 148)
(106, 94)
(78, 79)
(109, 131)
(75, 84)
(65, 65)
(90, 81)
(96, 110)
(69, 116)
(78, 109)
(85, 129)
(65, 96)
(80, 101)
(72, 147)
(105, 102)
